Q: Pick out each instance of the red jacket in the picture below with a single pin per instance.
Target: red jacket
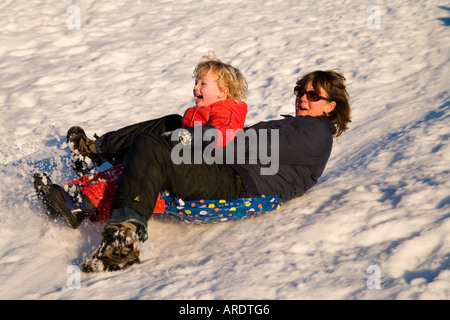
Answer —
(227, 116)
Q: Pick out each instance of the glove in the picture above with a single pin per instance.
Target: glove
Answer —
(180, 135)
(185, 137)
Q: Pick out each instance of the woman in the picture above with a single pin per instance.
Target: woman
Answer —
(303, 143)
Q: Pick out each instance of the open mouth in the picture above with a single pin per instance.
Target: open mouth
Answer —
(198, 97)
(299, 107)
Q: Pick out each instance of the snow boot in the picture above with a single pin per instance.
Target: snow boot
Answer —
(58, 203)
(84, 157)
(117, 251)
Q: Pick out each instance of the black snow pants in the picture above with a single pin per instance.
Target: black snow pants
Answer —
(114, 145)
(149, 169)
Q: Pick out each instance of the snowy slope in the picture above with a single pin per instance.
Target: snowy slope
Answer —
(382, 206)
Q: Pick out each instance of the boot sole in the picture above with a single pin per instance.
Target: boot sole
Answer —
(94, 265)
(57, 202)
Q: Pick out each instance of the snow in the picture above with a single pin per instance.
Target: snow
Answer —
(382, 207)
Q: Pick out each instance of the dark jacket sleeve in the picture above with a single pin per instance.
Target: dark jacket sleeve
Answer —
(296, 140)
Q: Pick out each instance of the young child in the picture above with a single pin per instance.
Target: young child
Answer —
(219, 92)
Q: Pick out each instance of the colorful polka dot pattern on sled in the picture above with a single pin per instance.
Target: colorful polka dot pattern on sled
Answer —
(101, 186)
(213, 211)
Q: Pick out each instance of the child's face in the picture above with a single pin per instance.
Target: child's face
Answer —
(206, 90)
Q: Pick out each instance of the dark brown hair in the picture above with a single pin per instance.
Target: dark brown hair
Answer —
(334, 85)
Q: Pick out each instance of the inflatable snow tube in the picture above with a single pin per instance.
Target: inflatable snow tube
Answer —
(221, 210)
(100, 188)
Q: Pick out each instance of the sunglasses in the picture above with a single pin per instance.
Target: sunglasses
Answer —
(311, 95)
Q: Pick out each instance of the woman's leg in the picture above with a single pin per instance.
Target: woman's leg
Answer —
(149, 169)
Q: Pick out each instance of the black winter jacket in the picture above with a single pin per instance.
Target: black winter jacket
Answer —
(304, 145)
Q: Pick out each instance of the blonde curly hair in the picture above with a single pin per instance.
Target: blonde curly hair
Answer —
(227, 76)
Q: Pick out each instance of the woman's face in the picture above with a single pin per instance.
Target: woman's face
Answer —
(206, 90)
(305, 107)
